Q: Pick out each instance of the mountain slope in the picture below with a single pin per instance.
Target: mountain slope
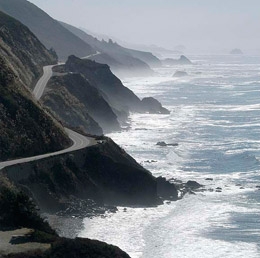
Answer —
(48, 30)
(119, 97)
(23, 50)
(82, 99)
(146, 57)
(123, 61)
(26, 130)
(100, 76)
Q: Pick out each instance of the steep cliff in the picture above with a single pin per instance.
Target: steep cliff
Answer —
(146, 57)
(76, 102)
(22, 50)
(26, 129)
(100, 76)
(104, 173)
(19, 214)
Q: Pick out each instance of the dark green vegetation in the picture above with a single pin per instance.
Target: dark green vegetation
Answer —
(78, 104)
(47, 30)
(76, 248)
(22, 50)
(26, 129)
(84, 248)
(17, 210)
(86, 179)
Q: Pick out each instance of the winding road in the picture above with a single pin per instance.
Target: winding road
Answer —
(42, 82)
(79, 141)
(89, 56)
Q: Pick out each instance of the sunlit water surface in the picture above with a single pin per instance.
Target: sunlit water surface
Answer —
(215, 119)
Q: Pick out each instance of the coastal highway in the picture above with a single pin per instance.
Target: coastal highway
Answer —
(78, 141)
(42, 82)
(87, 57)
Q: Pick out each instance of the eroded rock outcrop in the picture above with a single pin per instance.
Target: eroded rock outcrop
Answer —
(78, 104)
(103, 173)
(236, 51)
(120, 98)
(183, 60)
(153, 106)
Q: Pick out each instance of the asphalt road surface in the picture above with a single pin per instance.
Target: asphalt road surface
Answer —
(79, 141)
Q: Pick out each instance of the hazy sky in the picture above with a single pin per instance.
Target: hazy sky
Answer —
(197, 24)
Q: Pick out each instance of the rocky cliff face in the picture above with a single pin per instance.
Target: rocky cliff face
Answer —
(17, 211)
(104, 173)
(117, 95)
(22, 50)
(100, 76)
(48, 30)
(76, 102)
(183, 60)
(146, 57)
(26, 129)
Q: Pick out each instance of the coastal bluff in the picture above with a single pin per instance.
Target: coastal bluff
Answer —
(103, 173)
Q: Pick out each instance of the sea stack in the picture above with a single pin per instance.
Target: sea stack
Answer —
(236, 51)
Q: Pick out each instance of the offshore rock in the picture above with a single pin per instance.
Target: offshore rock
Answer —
(180, 74)
(183, 60)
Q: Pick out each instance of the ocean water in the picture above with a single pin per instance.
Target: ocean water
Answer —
(215, 119)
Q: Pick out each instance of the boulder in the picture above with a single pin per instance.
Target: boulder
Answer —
(193, 184)
(162, 144)
(153, 106)
(172, 144)
(236, 51)
(166, 190)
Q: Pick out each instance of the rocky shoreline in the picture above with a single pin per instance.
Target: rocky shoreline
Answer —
(84, 183)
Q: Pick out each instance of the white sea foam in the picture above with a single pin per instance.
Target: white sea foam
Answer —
(215, 120)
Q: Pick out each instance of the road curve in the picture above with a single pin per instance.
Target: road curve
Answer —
(79, 141)
(41, 84)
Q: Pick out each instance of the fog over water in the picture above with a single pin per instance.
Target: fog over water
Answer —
(201, 25)
(213, 128)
